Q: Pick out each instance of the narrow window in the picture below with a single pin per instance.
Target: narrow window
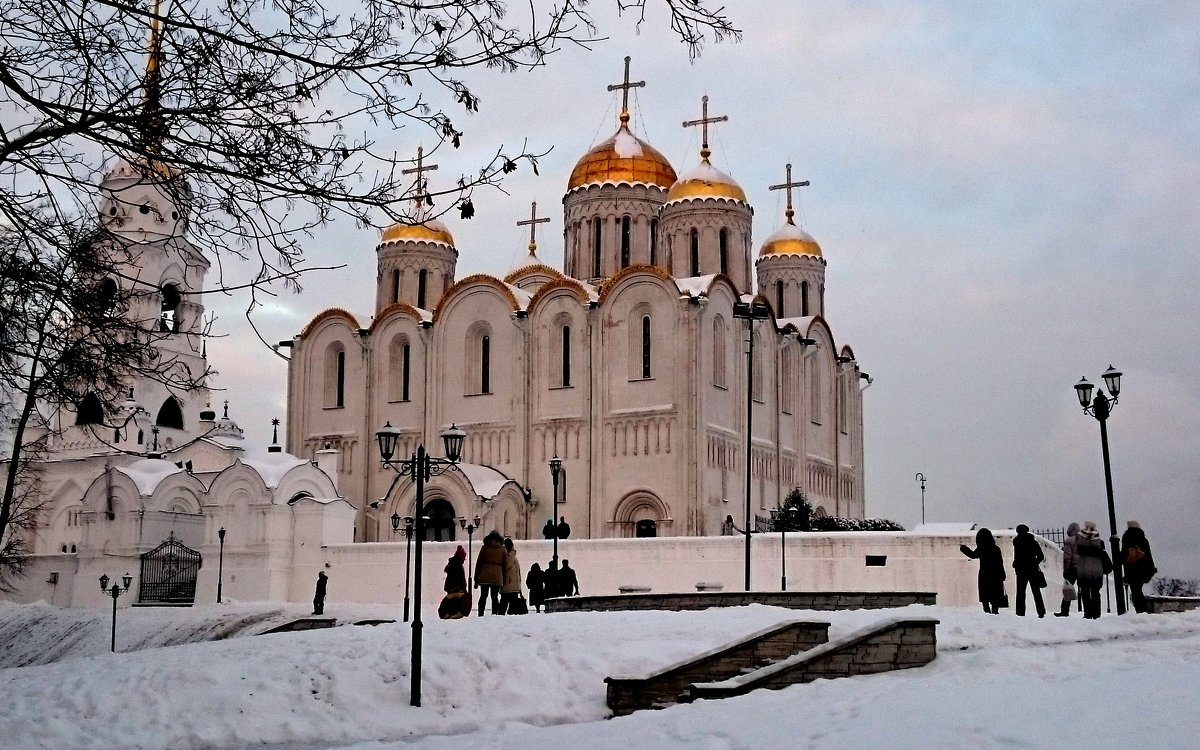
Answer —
(804, 298)
(405, 366)
(422, 281)
(340, 394)
(485, 363)
(646, 346)
(169, 320)
(566, 356)
(718, 354)
(395, 285)
(695, 253)
(779, 299)
(625, 242)
(654, 242)
(724, 240)
(596, 229)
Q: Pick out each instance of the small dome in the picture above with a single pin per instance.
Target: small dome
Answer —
(790, 240)
(430, 230)
(622, 158)
(706, 181)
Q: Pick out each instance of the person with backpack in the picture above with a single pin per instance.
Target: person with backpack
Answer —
(1138, 562)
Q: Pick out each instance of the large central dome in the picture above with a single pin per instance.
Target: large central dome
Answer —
(623, 158)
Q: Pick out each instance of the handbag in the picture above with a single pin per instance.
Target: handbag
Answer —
(1003, 602)
(1068, 592)
(1038, 579)
(518, 606)
(1106, 562)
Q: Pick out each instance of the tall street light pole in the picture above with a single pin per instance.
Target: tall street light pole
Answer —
(408, 534)
(470, 529)
(555, 472)
(420, 467)
(921, 478)
(750, 312)
(220, 562)
(115, 592)
(1101, 407)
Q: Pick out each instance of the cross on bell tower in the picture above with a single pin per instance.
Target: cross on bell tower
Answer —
(532, 223)
(625, 86)
(421, 167)
(703, 122)
(788, 185)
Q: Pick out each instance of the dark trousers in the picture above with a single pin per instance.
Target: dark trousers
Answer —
(319, 605)
(492, 591)
(1089, 594)
(1137, 598)
(1022, 582)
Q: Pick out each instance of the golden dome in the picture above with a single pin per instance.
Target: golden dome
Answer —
(431, 230)
(622, 158)
(706, 181)
(790, 240)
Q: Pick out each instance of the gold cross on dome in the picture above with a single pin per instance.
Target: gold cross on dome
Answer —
(703, 123)
(788, 185)
(421, 167)
(625, 86)
(532, 223)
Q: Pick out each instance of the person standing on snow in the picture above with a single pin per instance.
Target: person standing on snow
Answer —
(991, 570)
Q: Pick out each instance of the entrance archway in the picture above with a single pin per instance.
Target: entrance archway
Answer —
(647, 527)
(442, 522)
(642, 514)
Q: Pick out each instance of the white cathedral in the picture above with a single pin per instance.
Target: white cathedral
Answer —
(630, 365)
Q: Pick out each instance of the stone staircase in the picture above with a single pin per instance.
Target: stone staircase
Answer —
(791, 653)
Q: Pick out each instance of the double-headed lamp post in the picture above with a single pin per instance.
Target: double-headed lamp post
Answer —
(750, 312)
(920, 477)
(555, 473)
(114, 592)
(1101, 407)
(420, 467)
(220, 561)
(408, 534)
(470, 529)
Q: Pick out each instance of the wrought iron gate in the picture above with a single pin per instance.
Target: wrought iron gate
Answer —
(169, 574)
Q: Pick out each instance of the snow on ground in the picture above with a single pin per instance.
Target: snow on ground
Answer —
(538, 682)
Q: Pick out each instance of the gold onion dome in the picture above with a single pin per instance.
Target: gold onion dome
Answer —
(622, 158)
(424, 230)
(706, 181)
(790, 240)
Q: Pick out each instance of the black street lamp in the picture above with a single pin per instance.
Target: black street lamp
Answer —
(1101, 407)
(921, 478)
(220, 561)
(421, 467)
(408, 535)
(555, 473)
(114, 592)
(750, 312)
(470, 528)
(779, 518)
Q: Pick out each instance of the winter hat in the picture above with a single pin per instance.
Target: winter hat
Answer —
(460, 553)
(1073, 529)
(1134, 525)
(1089, 530)
(1022, 528)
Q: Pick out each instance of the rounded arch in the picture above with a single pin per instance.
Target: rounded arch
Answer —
(546, 290)
(640, 506)
(441, 524)
(89, 410)
(170, 414)
(333, 313)
(397, 309)
(476, 280)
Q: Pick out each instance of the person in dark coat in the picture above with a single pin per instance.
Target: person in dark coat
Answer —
(991, 570)
(567, 579)
(535, 582)
(456, 604)
(319, 597)
(548, 529)
(1092, 563)
(550, 578)
(1070, 573)
(1027, 561)
(489, 571)
(1138, 562)
(564, 528)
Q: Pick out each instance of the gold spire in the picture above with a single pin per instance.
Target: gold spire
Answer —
(532, 223)
(152, 118)
(703, 123)
(625, 86)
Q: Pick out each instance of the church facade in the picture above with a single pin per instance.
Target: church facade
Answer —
(629, 364)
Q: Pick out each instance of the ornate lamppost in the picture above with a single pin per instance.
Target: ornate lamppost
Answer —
(408, 535)
(750, 312)
(1101, 407)
(220, 561)
(115, 592)
(779, 518)
(555, 473)
(921, 478)
(420, 467)
(470, 529)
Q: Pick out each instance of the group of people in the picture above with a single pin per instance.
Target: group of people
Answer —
(1085, 564)
(498, 578)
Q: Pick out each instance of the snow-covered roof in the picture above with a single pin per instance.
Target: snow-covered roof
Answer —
(485, 481)
(694, 286)
(148, 473)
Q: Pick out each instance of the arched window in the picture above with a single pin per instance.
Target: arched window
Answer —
(422, 284)
(89, 410)
(695, 253)
(723, 238)
(646, 346)
(597, 228)
(785, 377)
(718, 352)
(647, 527)
(814, 391)
(485, 365)
(406, 370)
(804, 298)
(169, 414)
(169, 319)
(566, 356)
(654, 242)
(779, 299)
(399, 368)
(624, 242)
(335, 376)
(395, 285)
(106, 296)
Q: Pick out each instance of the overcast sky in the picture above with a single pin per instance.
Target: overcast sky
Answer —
(1007, 198)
